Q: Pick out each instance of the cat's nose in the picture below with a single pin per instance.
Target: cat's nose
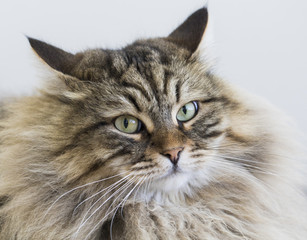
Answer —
(173, 154)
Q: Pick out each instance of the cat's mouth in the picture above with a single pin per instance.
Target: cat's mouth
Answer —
(173, 172)
(173, 180)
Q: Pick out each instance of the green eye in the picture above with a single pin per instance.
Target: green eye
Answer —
(187, 112)
(128, 124)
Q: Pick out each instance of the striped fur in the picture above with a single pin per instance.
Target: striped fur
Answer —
(67, 173)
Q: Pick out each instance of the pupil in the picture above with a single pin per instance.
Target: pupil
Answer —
(184, 109)
(126, 123)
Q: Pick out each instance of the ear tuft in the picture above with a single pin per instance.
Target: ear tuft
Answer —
(190, 33)
(55, 57)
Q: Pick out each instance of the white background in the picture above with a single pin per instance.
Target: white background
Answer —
(261, 44)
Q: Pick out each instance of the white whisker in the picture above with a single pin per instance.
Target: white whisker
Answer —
(254, 168)
(84, 221)
(126, 186)
(122, 203)
(143, 179)
(243, 173)
(135, 194)
(76, 188)
(112, 186)
(245, 160)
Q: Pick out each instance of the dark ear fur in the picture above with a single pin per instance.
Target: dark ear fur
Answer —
(55, 57)
(189, 34)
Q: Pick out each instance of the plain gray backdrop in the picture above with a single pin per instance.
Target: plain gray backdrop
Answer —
(260, 44)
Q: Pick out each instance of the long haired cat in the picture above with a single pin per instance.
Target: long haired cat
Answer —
(143, 143)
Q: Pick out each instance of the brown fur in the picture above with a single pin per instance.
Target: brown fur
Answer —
(59, 150)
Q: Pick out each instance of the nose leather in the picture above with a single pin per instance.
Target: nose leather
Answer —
(173, 154)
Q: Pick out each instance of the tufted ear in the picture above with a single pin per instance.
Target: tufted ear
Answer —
(55, 57)
(190, 33)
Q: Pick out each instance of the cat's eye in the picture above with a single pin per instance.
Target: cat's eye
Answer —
(128, 124)
(187, 112)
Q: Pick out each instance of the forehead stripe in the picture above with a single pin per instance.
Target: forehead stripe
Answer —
(178, 89)
(133, 101)
(138, 88)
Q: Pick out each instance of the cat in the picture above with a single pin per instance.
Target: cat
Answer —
(146, 142)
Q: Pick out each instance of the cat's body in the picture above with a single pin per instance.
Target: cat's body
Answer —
(204, 160)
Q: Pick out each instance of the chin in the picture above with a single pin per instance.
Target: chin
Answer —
(173, 186)
(173, 182)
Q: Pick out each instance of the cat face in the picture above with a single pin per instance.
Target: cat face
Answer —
(151, 113)
(153, 121)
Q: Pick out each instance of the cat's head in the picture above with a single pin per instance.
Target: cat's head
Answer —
(151, 113)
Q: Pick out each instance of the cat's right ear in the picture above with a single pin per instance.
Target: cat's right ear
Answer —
(60, 80)
(56, 58)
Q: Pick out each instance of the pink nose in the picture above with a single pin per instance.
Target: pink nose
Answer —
(173, 154)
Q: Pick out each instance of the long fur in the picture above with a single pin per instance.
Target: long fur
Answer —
(66, 172)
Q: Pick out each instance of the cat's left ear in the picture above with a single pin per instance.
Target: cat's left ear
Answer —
(190, 33)
(56, 58)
